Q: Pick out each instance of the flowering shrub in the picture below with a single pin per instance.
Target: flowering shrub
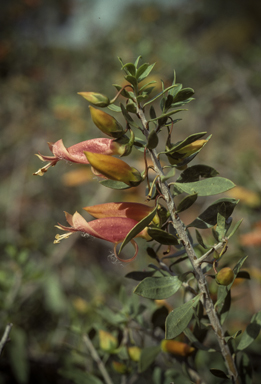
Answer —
(173, 187)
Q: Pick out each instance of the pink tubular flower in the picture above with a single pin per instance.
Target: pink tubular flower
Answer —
(75, 153)
(112, 229)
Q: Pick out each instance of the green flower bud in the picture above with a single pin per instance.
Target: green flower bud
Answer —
(225, 276)
(96, 98)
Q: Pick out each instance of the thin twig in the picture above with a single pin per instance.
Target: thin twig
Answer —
(97, 359)
(5, 336)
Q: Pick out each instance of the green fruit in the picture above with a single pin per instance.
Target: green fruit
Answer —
(225, 276)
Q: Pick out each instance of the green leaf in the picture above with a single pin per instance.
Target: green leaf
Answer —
(175, 90)
(127, 116)
(178, 319)
(200, 240)
(54, 296)
(131, 79)
(162, 237)
(114, 108)
(124, 93)
(146, 85)
(141, 69)
(153, 140)
(151, 253)
(165, 115)
(219, 373)
(147, 357)
(138, 228)
(139, 275)
(137, 61)
(113, 184)
(245, 369)
(169, 175)
(184, 94)
(79, 377)
(208, 218)
(235, 228)
(233, 337)
(130, 69)
(130, 107)
(152, 112)
(222, 290)
(195, 342)
(145, 73)
(158, 288)
(195, 172)
(206, 187)
(221, 222)
(187, 202)
(17, 351)
(251, 332)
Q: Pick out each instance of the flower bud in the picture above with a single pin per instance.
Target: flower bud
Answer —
(192, 147)
(120, 367)
(114, 169)
(106, 123)
(96, 98)
(108, 342)
(177, 348)
(225, 276)
(134, 353)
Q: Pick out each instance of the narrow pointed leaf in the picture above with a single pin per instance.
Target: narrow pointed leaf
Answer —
(137, 61)
(187, 202)
(114, 108)
(200, 240)
(146, 72)
(165, 115)
(114, 184)
(138, 228)
(158, 288)
(206, 187)
(141, 70)
(175, 90)
(235, 228)
(178, 319)
(162, 237)
(221, 222)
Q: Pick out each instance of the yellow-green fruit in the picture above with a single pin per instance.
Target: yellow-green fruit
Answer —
(95, 98)
(225, 276)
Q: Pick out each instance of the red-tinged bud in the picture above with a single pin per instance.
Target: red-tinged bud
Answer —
(177, 348)
(108, 342)
(134, 353)
(114, 169)
(106, 123)
(75, 153)
(225, 276)
(97, 99)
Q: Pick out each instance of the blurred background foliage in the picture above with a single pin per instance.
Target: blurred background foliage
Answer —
(49, 51)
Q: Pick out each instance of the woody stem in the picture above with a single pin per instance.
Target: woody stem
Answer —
(199, 275)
